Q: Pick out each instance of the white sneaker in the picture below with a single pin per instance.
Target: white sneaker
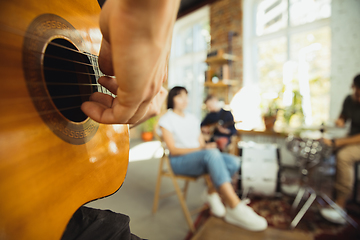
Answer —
(216, 206)
(245, 217)
(332, 215)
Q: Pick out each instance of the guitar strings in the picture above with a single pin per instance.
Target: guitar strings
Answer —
(73, 50)
(27, 116)
(68, 71)
(46, 112)
(68, 60)
(32, 36)
(61, 109)
(67, 84)
(62, 96)
(101, 88)
(35, 37)
(35, 114)
(60, 58)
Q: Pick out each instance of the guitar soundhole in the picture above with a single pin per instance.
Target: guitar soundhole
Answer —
(59, 75)
(69, 77)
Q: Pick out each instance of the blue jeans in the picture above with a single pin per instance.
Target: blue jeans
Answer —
(220, 166)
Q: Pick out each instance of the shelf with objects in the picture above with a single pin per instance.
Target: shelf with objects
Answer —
(217, 77)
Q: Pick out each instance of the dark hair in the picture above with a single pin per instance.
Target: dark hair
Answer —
(209, 97)
(356, 82)
(173, 93)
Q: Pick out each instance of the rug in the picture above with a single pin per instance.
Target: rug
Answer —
(278, 214)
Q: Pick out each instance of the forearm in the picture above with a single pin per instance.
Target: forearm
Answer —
(135, 49)
(134, 26)
(148, 33)
(183, 151)
(340, 142)
(151, 16)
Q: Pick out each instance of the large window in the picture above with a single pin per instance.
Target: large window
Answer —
(187, 65)
(289, 56)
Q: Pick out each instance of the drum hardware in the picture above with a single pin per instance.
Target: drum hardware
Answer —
(310, 153)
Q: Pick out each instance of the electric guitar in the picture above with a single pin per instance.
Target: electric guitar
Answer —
(53, 158)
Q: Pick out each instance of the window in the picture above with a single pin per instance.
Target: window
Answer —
(191, 39)
(287, 45)
(271, 16)
(308, 11)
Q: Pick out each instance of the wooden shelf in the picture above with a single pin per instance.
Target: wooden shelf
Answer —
(222, 83)
(222, 59)
(219, 65)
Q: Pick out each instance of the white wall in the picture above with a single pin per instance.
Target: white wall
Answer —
(345, 51)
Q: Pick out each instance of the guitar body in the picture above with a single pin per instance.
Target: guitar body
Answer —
(52, 160)
(209, 132)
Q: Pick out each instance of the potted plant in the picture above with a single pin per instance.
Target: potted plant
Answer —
(295, 109)
(147, 129)
(270, 114)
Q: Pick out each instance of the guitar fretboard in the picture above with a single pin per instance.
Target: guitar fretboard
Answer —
(94, 62)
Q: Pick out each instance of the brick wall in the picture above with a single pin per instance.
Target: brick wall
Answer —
(226, 16)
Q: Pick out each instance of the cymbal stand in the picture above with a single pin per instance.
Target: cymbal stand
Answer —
(304, 190)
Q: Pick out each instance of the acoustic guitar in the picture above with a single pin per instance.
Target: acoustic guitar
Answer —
(208, 133)
(53, 158)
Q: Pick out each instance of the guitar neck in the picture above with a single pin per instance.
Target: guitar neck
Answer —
(95, 63)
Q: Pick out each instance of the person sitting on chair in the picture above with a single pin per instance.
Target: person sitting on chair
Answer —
(221, 120)
(191, 156)
(348, 153)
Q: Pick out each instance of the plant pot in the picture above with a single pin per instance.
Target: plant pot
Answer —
(147, 136)
(269, 122)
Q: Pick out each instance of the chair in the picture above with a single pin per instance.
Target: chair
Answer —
(356, 182)
(166, 171)
(233, 146)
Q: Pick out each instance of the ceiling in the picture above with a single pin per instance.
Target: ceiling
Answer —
(188, 6)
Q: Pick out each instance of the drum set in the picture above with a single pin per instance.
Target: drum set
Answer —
(310, 153)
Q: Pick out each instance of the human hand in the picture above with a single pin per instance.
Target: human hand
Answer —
(205, 129)
(154, 107)
(135, 49)
(223, 130)
(327, 141)
(340, 122)
(210, 145)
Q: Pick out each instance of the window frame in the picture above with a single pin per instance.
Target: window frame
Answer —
(200, 15)
(251, 40)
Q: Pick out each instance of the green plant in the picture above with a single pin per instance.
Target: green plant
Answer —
(295, 108)
(271, 109)
(148, 125)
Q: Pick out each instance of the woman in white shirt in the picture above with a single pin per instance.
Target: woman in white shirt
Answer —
(190, 155)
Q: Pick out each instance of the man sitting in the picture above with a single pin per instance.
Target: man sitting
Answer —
(348, 153)
(218, 125)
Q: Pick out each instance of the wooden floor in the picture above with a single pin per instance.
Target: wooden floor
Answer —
(216, 228)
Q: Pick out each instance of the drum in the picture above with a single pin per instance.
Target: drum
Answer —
(260, 169)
